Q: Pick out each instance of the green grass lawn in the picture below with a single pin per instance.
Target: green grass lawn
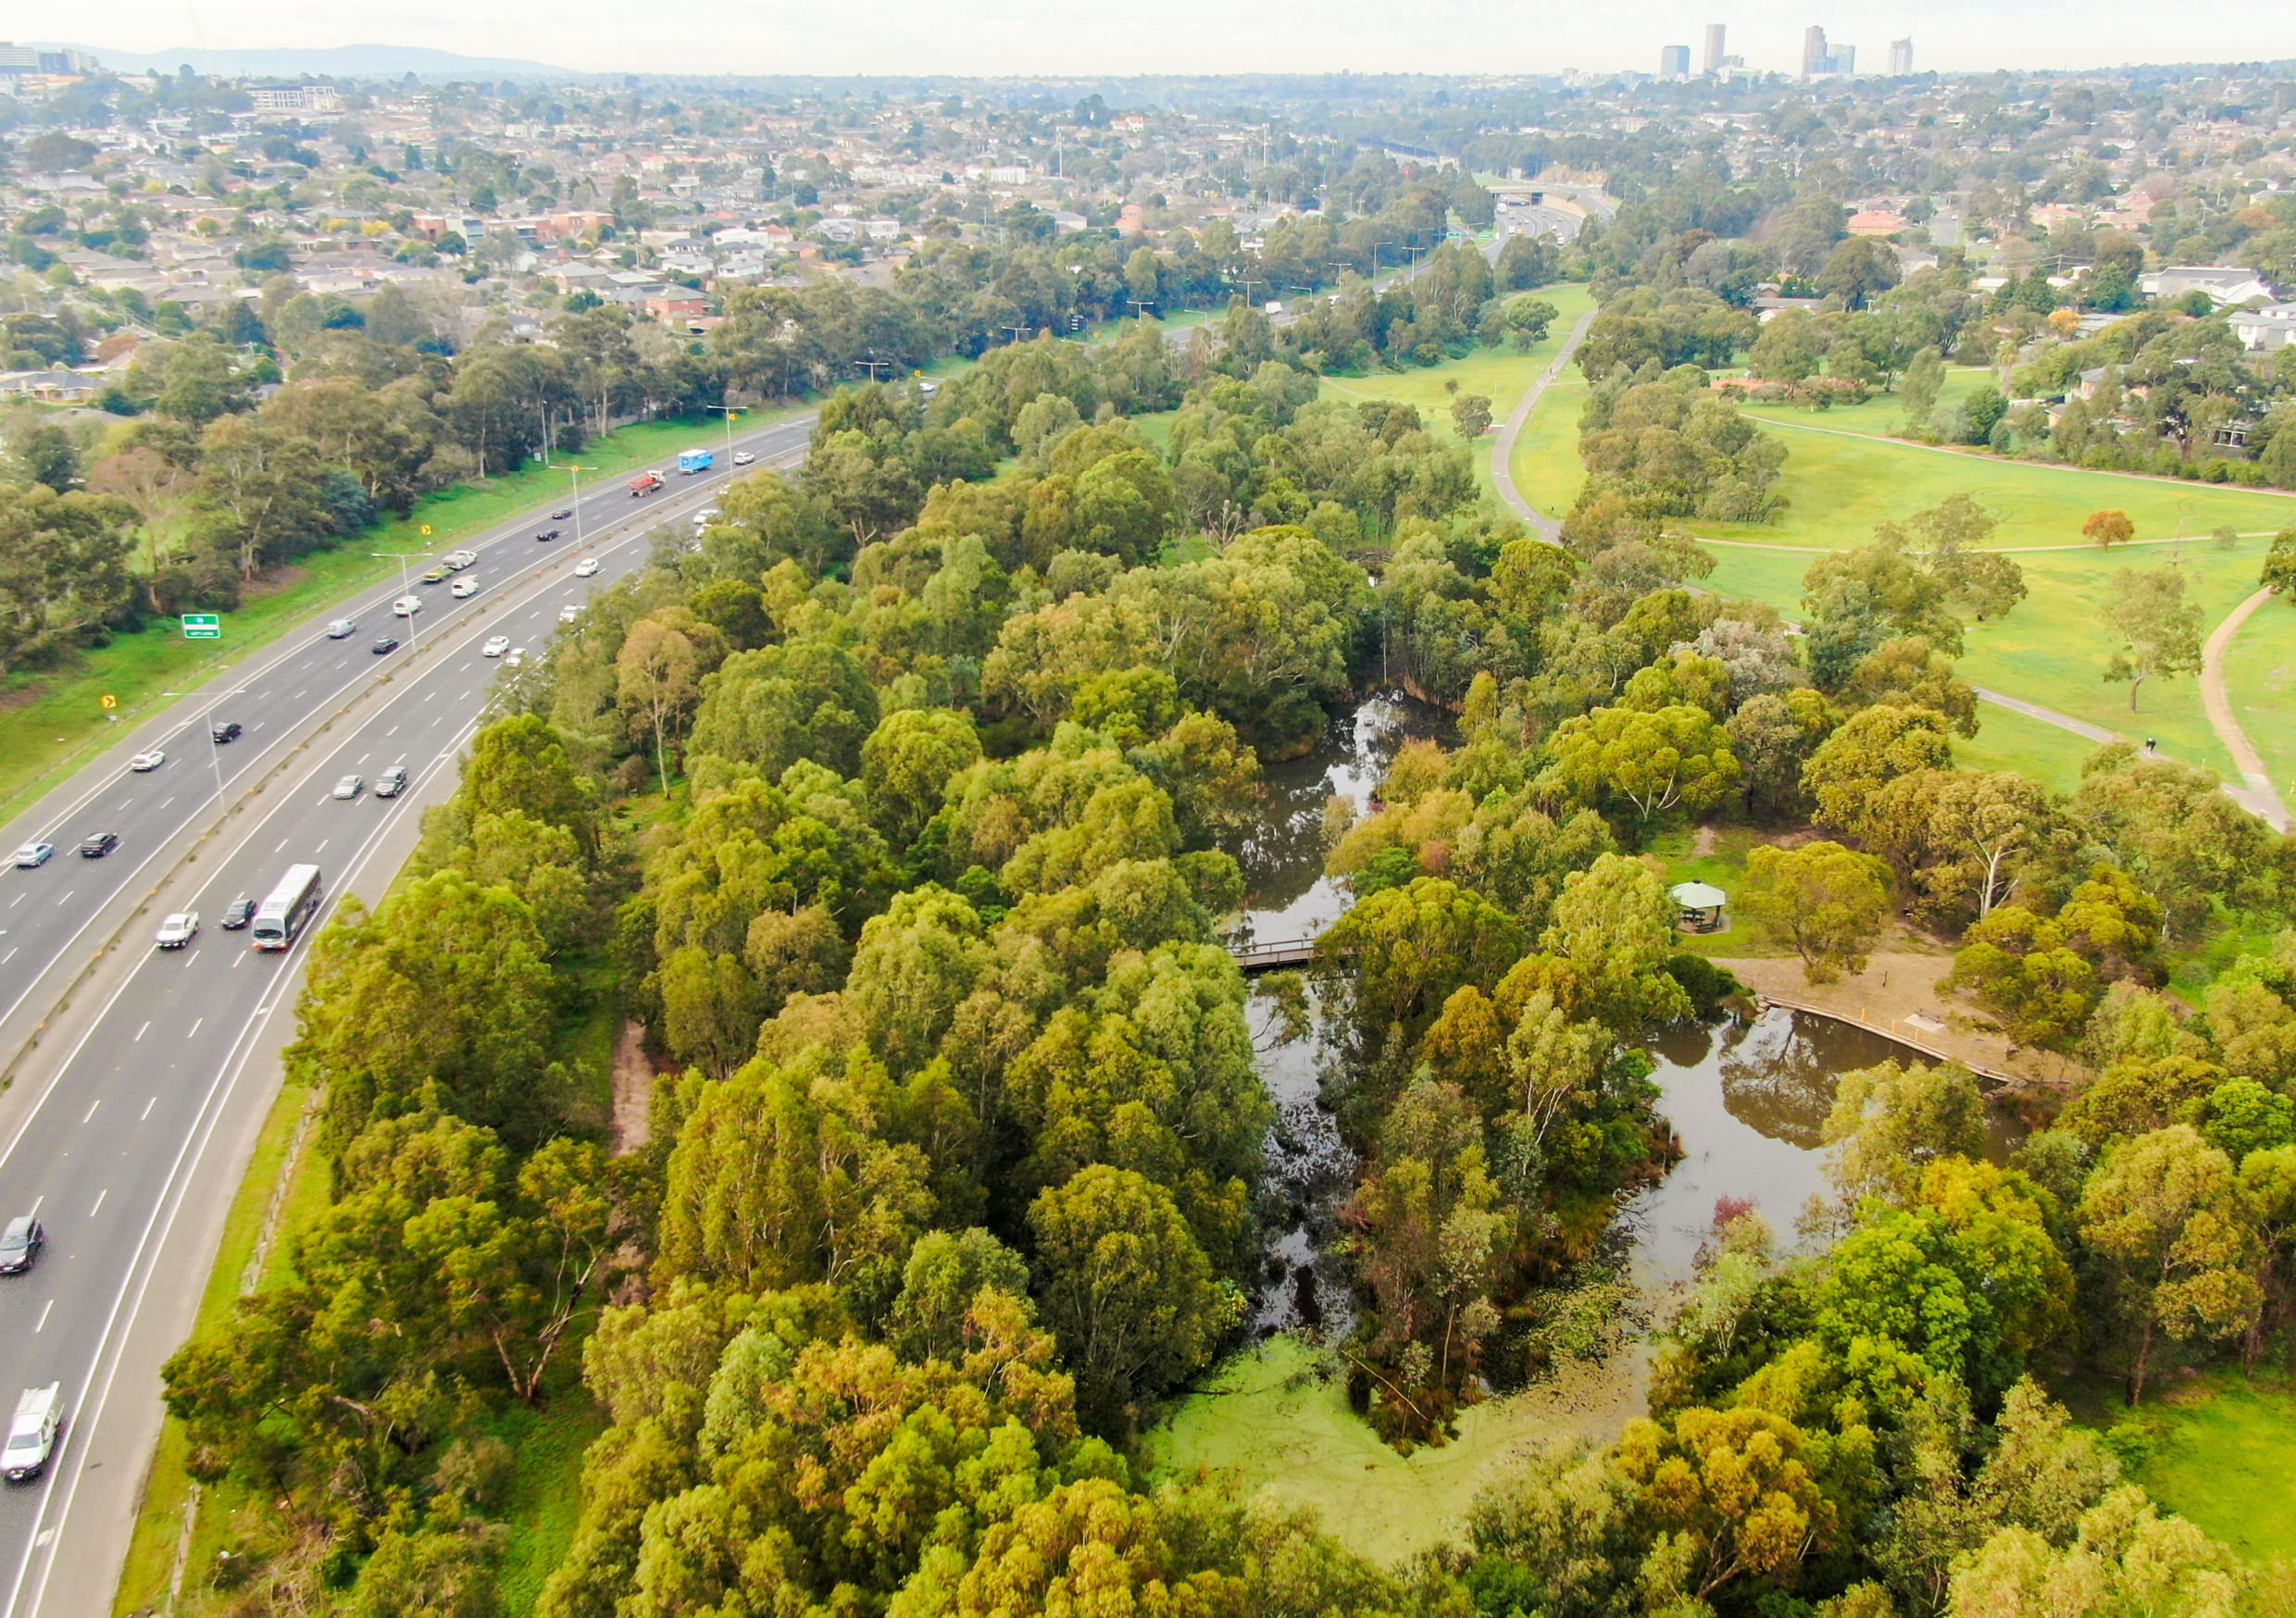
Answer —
(1723, 867)
(51, 720)
(1547, 468)
(2260, 676)
(1840, 482)
(1500, 374)
(2050, 649)
(2223, 1447)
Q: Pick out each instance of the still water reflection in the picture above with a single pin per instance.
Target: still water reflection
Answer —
(1747, 1100)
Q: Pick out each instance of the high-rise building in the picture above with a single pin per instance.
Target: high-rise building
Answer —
(1900, 58)
(1814, 58)
(1842, 59)
(1674, 61)
(1713, 63)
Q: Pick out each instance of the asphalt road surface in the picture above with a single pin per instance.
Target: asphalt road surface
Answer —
(138, 1077)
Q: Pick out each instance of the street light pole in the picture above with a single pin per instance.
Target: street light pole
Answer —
(215, 750)
(729, 411)
(576, 472)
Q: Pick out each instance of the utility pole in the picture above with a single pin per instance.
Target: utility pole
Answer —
(402, 556)
(1018, 331)
(214, 751)
(730, 411)
(576, 473)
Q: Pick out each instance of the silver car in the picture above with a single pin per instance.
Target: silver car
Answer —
(179, 929)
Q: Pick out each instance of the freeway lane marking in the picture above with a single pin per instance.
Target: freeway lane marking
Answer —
(10, 956)
(99, 1100)
(139, 1033)
(99, 1202)
(283, 843)
(15, 901)
(148, 1109)
(66, 899)
(43, 1316)
(195, 1022)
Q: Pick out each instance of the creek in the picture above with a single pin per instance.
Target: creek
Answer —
(1747, 1098)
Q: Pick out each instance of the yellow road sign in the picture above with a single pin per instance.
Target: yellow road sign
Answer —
(110, 701)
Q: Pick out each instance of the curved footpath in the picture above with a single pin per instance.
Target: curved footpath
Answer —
(2259, 795)
(1503, 452)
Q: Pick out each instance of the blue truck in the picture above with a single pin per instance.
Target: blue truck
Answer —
(696, 460)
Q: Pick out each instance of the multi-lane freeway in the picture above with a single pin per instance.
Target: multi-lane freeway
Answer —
(137, 1078)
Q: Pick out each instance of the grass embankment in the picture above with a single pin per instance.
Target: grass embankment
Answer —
(1274, 1417)
(52, 719)
(2260, 679)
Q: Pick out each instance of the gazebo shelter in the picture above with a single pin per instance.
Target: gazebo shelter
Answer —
(1702, 906)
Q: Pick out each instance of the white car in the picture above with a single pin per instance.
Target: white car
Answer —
(179, 929)
(32, 855)
(514, 657)
(406, 606)
(586, 568)
(495, 647)
(744, 459)
(32, 1435)
(349, 787)
(150, 759)
(464, 589)
(568, 612)
(342, 627)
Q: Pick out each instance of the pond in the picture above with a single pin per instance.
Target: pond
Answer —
(1747, 1098)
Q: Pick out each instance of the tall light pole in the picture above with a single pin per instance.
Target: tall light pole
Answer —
(576, 472)
(402, 556)
(215, 750)
(729, 411)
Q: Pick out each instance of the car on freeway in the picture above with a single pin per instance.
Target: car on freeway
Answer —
(237, 914)
(406, 606)
(586, 568)
(179, 929)
(223, 730)
(342, 628)
(32, 1435)
(702, 517)
(436, 576)
(392, 782)
(514, 657)
(465, 589)
(20, 1245)
(568, 612)
(495, 646)
(456, 561)
(151, 758)
(349, 787)
(547, 535)
(96, 844)
(387, 643)
(561, 515)
(33, 855)
(743, 457)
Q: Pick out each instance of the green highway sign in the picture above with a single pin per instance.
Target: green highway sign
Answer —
(203, 627)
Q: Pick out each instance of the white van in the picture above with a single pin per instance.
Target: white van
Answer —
(406, 606)
(32, 1435)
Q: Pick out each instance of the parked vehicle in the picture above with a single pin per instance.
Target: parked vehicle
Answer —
(342, 628)
(406, 606)
(179, 929)
(237, 914)
(32, 1435)
(693, 461)
(33, 855)
(20, 1245)
(150, 759)
(392, 782)
(96, 844)
(224, 730)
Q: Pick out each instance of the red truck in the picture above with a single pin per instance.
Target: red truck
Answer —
(644, 483)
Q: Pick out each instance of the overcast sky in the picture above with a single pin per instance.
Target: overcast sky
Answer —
(1215, 36)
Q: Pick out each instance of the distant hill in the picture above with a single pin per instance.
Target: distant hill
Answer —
(335, 62)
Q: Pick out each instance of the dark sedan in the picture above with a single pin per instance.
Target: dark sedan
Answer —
(96, 844)
(387, 643)
(20, 1245)
(238, 913)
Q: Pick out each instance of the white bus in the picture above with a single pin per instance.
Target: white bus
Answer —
(291, 903)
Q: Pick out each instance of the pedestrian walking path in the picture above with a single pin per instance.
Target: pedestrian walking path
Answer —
(2259, 795)
(1503, 452)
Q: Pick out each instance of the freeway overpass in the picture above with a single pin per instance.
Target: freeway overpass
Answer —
(137, 1080)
